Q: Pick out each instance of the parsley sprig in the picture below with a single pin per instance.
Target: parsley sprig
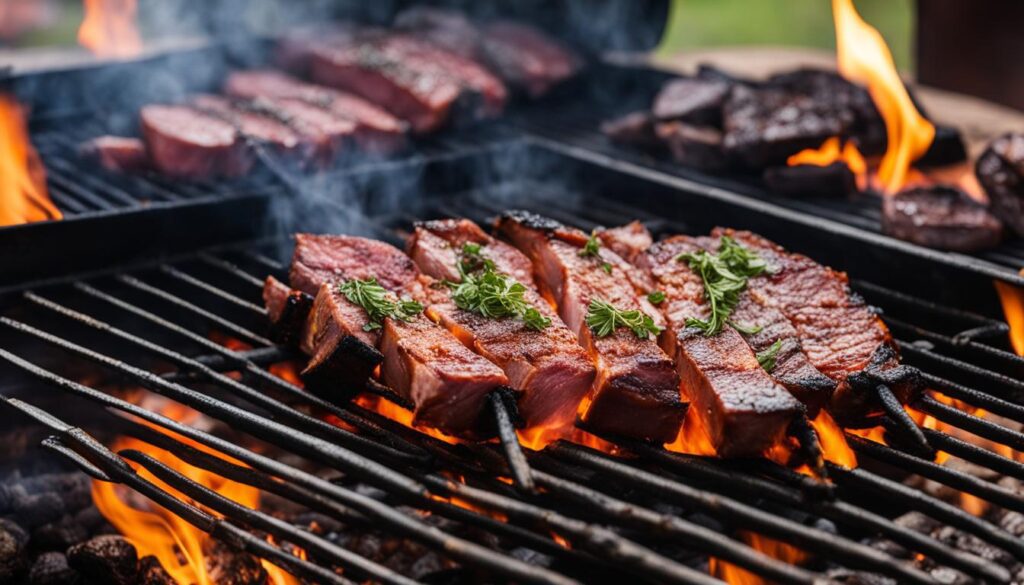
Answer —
(603, 319)
(490, 293)
(766, 357)
(378, 302)
(725, 276)
(593, 249)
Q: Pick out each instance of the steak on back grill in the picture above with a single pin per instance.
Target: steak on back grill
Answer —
(940, 217)
(376, 129)
(843, 338)
(550, 369)
(117, 153)
(743, 410)
(1000, 170)
(185, 142)
(253, 124)
(636, 392)
(695, 101)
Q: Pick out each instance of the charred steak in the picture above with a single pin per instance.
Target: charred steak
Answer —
(940, 217)
(1000, 171)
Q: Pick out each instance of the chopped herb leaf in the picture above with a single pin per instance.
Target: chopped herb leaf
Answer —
(378, 302)
(656, 297)
(725, 276)
(472, 258)
(606, 267)
(592, 247)
(767, 356)
(603, 319)
(495, 295)
(746, 328)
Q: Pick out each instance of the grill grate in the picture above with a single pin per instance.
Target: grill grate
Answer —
(642, 516)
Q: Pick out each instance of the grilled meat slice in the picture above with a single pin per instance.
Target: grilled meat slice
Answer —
(636, 392)
(695, 101)
(423, 362)
(628, 241)
(327, 134)
(117, 153)
(941, 217)
(743, 410)
(413, 79)
(185, 142)
(1000, 170)
(253, 124)
(376, 129)
(699, 147)
(635, 128)
(287, 310)
(841, 335)
(444, 27)
(548, 366)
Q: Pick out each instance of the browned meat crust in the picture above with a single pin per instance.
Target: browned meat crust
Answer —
(287, 310)
(184, 142)
(636, 392)
(743, 410)
(548, 366)
(842, 336)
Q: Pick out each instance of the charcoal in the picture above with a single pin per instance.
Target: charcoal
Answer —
(764, 127)
(12, 546)
(947, 148)
(940, 217)
(51, 568)
(848, 577)
(636, 128)
(696, 101)
(694, 146)
(59, 535)
(90, 518)
(226, 566)
(33, 510)
(107, 559)
(832, 180)
(151, 572)
(1000, 170)
(6, 498)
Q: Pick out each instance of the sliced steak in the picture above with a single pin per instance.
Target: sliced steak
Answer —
(635, 128)
(842, 336)
(699, 147)
(743, 410)
(1000, 170)
(696, 101)
(413, 79)
(287, 310)
(636, 392)
(116, 153)
(376, 129)
(527, 58)
(940, 217)
(253, 124)
(185, 142)
(764, 126)
(548, 366)
(444, 27)
(628, 241)
(327, 134)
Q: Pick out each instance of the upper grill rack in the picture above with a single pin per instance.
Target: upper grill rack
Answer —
(645, 517)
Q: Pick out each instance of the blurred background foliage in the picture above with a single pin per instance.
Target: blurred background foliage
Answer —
(807, 23)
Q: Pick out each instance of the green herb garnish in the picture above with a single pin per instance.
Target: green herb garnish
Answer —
(603, 319)
(378, 302)
(725, 276)
(745, 328)
(656, 297)
(766, 357)
(495, 295)
(593, 249)
(472, 258)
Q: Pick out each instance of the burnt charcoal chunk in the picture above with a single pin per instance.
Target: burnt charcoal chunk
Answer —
(12, 545)
(635, 128)
(832, 180)
(33, 510)
(226, 566)
(59, 535)
(151, 572)
(1000, 171)
(947, 148)
(106, 559)
(694, 146)
(766, 126)
(52, 568)
(696, 101)
(940, 217)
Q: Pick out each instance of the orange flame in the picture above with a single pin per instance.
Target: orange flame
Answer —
(830, 152)
(1013, 308)
(156, 531)
(693, 438)
(833, 444)
(401, 415)
(864, 58)
(109, 28)
(778, 550)
(23, 196)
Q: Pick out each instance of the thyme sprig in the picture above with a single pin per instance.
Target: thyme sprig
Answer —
(767, 356)
(490, 293)
(603, 319)
(593, 249)
(725, 276)
(378, 302)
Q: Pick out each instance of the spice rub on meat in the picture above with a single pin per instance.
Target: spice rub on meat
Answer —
(843, 338)
(546, 364)
(636, 392)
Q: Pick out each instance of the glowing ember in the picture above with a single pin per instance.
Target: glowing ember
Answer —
(864, 58)
(736, 576)
(833, 443)
(401, 415)
(109, 28)
(1013, 307)
(23, 196)
(830, 152)
(693, 438)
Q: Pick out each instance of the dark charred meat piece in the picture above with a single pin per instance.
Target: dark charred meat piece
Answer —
(376, 129)
(628, 241)
(696, 101)
(636, 392)
(635, 128)
(117, 153)
(764, 127)
(184, 142)
(327, 134)
(832, 180)
(940, 217)
(287, 310)
(694, 146)
(947, 148)
(548, 366)
(527, 58)
(252, 124)
(413, 79)
(1000, 170)
(841, 335)
(743, 410)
